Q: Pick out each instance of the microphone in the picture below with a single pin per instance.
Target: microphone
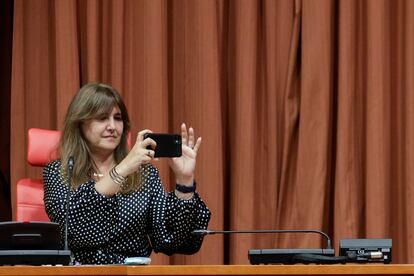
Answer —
(71, 163)
(285, 256)
(212, 232)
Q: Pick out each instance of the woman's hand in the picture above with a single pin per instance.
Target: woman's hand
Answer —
(184, 166)
(138, 155)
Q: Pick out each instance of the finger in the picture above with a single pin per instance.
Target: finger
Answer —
(191, 137)
(150, 153)
(146, 159)
(197, 145)
(146, 156)
(148, 142)
(184, 137)
(141, 134)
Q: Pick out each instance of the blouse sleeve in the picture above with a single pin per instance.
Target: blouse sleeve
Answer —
(91, 215)
(172, 220)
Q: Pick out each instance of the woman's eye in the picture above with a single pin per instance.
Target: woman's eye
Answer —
(102, 118)
(118, 118)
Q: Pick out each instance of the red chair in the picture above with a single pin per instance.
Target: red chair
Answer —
(42, 148)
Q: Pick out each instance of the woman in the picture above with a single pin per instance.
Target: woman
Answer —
(118, 207)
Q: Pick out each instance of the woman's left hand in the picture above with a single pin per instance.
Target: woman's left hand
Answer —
(184, 166)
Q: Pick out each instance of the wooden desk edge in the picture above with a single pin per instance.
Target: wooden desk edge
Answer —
(349, 269)
(275, 270)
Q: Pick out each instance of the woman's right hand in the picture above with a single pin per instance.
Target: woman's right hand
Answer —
(138, 155)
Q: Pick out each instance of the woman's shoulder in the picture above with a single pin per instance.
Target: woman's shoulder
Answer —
(54, 165)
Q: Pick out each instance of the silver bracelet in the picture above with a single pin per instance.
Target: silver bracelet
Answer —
(117, 178)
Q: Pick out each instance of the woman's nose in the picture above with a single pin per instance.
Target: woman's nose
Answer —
(111, 124)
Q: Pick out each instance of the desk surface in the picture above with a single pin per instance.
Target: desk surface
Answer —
(349, 269)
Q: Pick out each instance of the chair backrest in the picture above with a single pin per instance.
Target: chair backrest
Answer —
(42, 148)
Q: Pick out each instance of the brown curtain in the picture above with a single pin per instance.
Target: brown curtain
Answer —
(304, 107)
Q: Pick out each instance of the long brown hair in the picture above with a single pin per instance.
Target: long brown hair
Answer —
(92, 100)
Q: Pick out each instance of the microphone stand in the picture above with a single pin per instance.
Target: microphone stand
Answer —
(212, 232)
(71, 163)
(287, 256)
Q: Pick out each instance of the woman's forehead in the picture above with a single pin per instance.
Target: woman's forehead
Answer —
(114, 109)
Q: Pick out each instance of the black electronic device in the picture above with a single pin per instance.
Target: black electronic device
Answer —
(292, 256)
(281, 255)
(31, 243)
(36, 243)
(168, 145)
(366, 250)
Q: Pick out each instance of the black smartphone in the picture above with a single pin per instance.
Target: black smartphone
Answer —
(168, 145)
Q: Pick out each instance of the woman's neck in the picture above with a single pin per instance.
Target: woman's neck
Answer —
(103, 163)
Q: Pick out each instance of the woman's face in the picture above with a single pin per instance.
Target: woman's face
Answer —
(103, 133)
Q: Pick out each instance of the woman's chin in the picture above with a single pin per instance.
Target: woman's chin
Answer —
(106, 148)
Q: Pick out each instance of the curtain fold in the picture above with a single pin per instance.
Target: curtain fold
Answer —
(305, 107)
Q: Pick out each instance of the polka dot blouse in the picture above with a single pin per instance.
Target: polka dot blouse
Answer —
(106, 230)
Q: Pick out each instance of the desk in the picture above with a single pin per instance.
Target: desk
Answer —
(173, 270)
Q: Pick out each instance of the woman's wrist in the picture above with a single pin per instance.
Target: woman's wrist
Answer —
(122, 170)
(185, 180)
(185, 188)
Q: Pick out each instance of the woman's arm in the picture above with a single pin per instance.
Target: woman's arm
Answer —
(91, 215)
(172, 220)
